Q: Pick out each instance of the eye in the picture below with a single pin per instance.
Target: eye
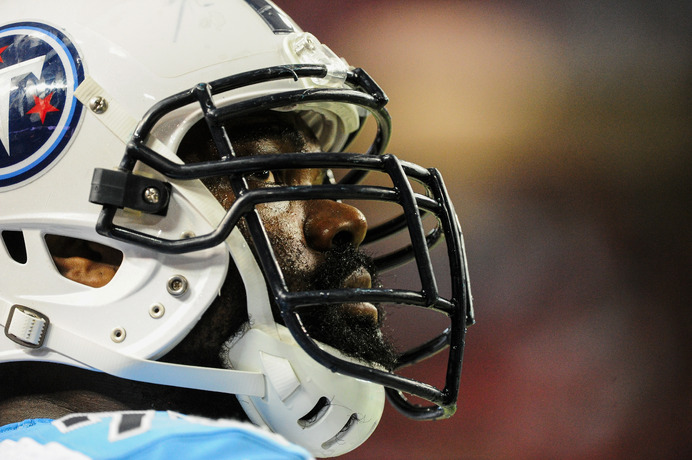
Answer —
(262, 176)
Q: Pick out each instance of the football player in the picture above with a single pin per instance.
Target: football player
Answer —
(188, 230)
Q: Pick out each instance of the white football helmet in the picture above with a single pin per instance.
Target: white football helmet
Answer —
(95, 97)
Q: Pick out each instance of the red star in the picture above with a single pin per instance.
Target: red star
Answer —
(43, 106)
(1, 50)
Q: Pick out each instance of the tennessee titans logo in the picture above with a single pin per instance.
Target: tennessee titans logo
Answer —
(39, 72)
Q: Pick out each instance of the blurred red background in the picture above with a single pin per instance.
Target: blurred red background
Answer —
(563, 132)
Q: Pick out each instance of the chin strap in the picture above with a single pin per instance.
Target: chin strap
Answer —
(142, 370)
(31, 329)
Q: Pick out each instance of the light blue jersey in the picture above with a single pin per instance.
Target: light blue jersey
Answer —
(134, 435)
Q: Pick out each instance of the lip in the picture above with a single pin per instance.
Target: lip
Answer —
(360, 278)
(362, 309)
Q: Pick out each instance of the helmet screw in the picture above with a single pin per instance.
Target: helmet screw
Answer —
(118, 334)
(152, 195)
(187, 234)
(177, 285)
(156, 311)
(304, 43)
(98, 104)
(310, 45)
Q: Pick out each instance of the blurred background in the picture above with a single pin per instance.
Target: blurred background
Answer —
(563, 132)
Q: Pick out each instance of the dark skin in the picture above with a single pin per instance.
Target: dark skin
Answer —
(304, 235)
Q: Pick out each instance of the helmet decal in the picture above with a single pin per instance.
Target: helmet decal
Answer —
(39, 71)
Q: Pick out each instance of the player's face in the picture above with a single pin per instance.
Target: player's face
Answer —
(315, 242)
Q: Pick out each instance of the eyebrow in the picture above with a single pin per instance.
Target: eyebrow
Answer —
(262, 131)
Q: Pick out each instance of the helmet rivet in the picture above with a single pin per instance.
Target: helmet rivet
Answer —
(177, 285)
(152, 195)
(118, 334)
(186, 235)
(156, 311)
(98, 104)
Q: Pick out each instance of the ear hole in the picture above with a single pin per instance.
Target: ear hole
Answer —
(315, 414)
(16, 247)
(85, 262)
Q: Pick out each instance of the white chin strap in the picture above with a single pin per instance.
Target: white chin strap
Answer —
(98, 357)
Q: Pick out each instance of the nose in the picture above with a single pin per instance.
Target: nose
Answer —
(330, 223)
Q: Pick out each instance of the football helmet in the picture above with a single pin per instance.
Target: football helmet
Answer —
(96, 97)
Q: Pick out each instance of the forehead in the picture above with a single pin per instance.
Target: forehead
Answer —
(267, 132)
(284, 130)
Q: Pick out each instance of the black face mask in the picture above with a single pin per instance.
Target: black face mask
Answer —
(125, 189)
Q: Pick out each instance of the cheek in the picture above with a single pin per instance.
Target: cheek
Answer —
(272, 212)
(284, 222)
(222, 191)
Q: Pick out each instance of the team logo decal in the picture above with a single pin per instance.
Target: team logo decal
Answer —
(39, 72)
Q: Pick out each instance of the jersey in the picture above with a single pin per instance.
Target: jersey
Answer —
(135, 435)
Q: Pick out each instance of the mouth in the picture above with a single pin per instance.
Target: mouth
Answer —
(360, 278)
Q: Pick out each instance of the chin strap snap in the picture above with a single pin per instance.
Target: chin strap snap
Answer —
(26, 327)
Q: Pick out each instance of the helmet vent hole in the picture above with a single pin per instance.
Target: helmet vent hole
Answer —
(16, 247)
(85, 262)
(341, 434)
(315, 414)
